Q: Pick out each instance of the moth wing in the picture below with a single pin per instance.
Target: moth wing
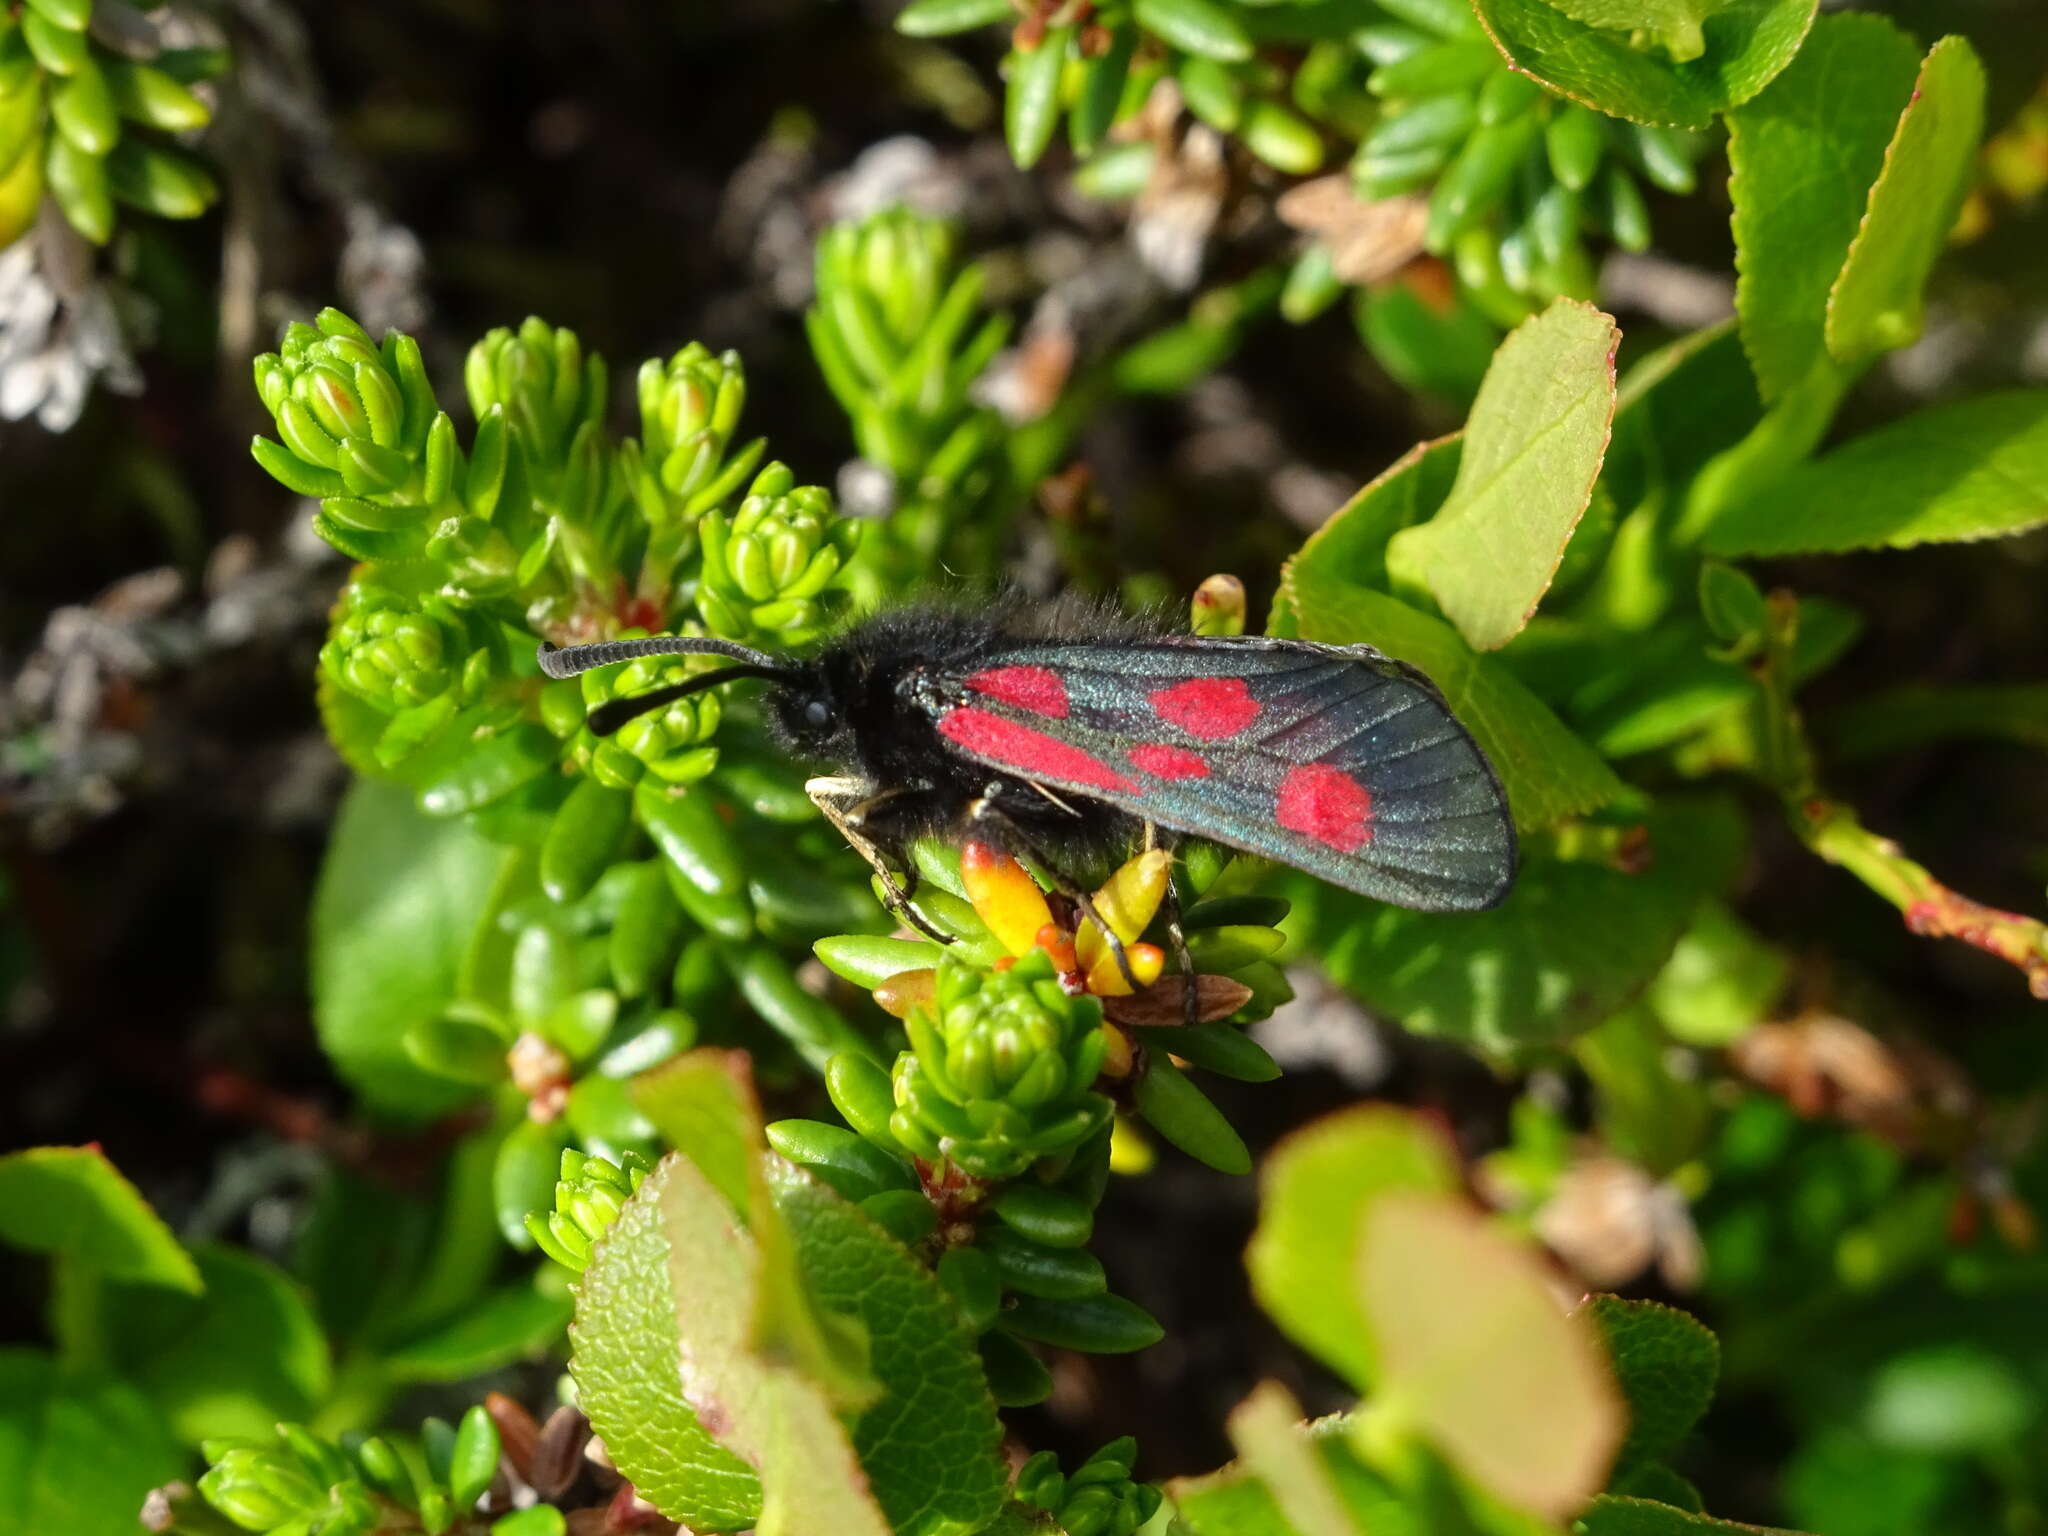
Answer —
(1336, 760)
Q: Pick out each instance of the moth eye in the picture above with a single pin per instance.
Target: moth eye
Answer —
(817, 714)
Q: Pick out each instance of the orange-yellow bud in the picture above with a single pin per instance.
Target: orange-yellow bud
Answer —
(1106, 977)
(1004, 896)
(1127, 902)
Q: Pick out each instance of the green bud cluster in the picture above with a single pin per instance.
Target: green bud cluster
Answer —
(395, 652)
(1001, 1070)
(689, 409)
(1012, 1253)
(295, 1483)
(1518, 176)
(1099, 1499)
(552, 394)
(83, 123)
(588, 1199)
(767, 567)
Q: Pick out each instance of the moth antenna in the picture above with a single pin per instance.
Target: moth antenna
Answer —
(612, 714)
(567, 661)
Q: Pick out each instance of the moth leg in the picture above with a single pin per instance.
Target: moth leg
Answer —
(830, 796)
(1190, 999)
(984, 812)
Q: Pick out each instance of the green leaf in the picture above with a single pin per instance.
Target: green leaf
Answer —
(1266, 1430)
(1975, 469)
(934, 1412)
(78, 1452)
(399, 896)
(1570, 946)
(1313, 1191)
(1473, 1349)
(1720, 982)
(1802, 157)
(1184, 1115)
(1742, 46)
(1612, 1516)
(233, 1362)
(1237, 1501)
(1206, 27)
(1548, 772)
(627, 1342)
(1644, 1112)
(1673, 24)
(1352, 543)
(518, 1321)
(1530, 454)
(1898, 719)
(1955, 1398)
(1877, 303)
(869, 959)
(942, 18)
(1666, 1363)
(71, 1203)
(1031, 104)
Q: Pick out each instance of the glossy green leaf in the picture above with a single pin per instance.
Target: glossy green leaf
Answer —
(1184, 1115)
(582, 839)
(1313, 1191)
(1878, 302)
(1666, 1363)
(1974, 469)
(1742, 46)
(1570, 946)
(232, 1362)
(1207, 27)
(1549, 773)
(399, 896)
(1530, 453)
(942, 18)
(1803, 156)
(78, 1451)
(73, 1204)
(869, 959)
(1031, 103)
(1473, 1348)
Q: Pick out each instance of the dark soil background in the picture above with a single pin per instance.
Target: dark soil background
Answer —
(648, 174)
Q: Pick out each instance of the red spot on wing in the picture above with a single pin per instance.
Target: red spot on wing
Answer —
(1164, 762)
(1033, 752)
(1038, 689)
(1326, 804)
(1209, 707)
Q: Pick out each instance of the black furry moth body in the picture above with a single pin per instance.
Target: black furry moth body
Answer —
(1044, 733)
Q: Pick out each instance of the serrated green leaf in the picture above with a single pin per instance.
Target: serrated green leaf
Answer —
(1976, 469)
(1878, 303)
(232, 1362)
(1802, 157)
(78, 1451)
(1612, 1516)
(1667, 1364)
(1527, 462)
(1548, 772)
(1570, 946)
(1313, 1190)
(399, 896)
(1352, 542)
(73, 1204)
(1472, 1346)
(1742, 47)
(934, 1410)
(627, 1342)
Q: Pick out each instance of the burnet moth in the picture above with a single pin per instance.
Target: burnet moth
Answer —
(1049, 732)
